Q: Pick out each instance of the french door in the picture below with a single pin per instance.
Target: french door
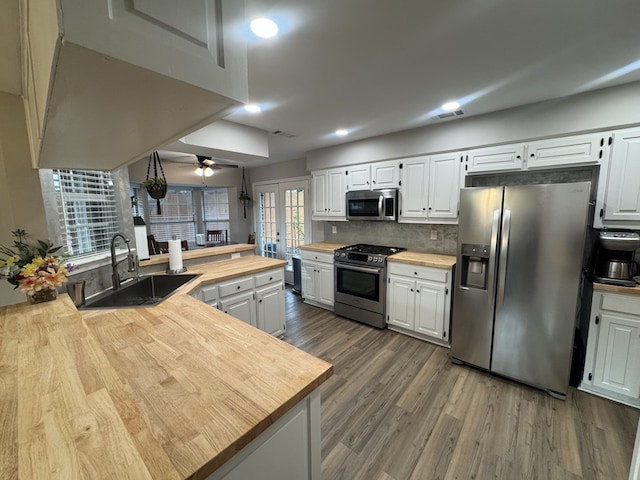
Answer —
(283, 223)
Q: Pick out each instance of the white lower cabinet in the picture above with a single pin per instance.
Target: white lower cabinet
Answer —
(241, 306)
(419, 301)
(255, 299)
(612, 363)
(317, 278)
(288, 449)
(270, 309)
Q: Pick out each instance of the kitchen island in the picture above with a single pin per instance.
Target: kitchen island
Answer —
(178, 390)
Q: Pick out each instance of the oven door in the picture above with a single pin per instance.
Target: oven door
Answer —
(361, 287)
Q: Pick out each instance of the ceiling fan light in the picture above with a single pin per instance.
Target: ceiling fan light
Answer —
(199, 171)
(208, 171)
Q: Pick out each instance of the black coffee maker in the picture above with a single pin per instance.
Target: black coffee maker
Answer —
(614, 261)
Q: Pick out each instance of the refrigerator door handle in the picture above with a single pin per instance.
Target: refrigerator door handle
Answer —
(492, 256)
(504, 251)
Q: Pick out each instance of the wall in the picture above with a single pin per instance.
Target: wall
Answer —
(407, 235)
(601, 109)
(278, 171)
(182, 174)
(20, 194)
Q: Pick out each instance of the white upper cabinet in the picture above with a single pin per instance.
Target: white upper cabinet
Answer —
(430, 189)
(622, 201)
(576, 150)
(414, 196)
(374, 176)
(107, 81)
(328, 194)
(358, 177)
(444, 186)
(385, 175)
(495, 159)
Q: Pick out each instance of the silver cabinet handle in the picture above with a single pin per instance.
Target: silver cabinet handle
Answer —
(504, 253)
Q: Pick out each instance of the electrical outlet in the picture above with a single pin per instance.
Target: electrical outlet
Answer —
(434, 234)
(334, 229)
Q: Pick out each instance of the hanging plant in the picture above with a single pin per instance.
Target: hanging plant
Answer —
(156, 186)
(244, 195)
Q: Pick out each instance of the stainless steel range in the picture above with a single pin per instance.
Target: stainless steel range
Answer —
(361, 282)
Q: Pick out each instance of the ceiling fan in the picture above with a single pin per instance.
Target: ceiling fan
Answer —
(205, 166)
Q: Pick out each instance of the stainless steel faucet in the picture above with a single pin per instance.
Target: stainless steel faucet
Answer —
(132, 263)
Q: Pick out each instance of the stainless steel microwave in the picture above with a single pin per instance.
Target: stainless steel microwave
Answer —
(373, 205)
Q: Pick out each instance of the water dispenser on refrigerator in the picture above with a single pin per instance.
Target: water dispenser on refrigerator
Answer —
(475, 266)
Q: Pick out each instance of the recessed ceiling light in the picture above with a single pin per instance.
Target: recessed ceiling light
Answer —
(252, 108)
(264, 28)
(341, 132)
(450, 106)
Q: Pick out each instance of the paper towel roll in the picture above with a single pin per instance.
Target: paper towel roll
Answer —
(175, 255)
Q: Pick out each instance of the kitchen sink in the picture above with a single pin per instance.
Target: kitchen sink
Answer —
(145, 292)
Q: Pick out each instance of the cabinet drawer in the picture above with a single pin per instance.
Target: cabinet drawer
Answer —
(269, 277)
(629, 304)
(419, 272)
(209, 293)
(317, 256)
(236, 286)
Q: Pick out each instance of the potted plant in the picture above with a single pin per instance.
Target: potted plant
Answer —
(33, 268)
(156, 186)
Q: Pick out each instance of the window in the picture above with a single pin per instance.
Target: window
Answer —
(176, 218)
(87, 208)
(294, 221)
(215, 206)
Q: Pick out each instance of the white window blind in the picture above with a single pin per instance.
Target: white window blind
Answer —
(215, 207)
(177, 217)
(87, 208)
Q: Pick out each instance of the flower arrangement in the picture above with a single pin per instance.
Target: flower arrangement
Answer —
(32, 267)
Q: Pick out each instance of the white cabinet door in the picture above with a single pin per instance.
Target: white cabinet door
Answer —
(576, 150)
(309, 280)
(385, 174)
(623, 187)
(324, 283)
(192, 41)
(336, 193)
(241, 306)
(444, 186)
(358, 177)
(413, 191)
(400, 302)
(429, 309)
(319, 188)
(270, 309)
(617, 364)
(495, 159)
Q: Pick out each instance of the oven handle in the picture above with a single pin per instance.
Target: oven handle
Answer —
(358, 269)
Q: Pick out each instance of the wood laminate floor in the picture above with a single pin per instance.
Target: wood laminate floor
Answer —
(396, 408)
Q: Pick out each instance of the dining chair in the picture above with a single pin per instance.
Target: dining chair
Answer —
(217, 236)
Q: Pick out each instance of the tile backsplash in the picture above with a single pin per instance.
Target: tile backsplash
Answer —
(408, 235)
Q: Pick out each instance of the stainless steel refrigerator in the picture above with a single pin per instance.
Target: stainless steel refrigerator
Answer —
(519, 263)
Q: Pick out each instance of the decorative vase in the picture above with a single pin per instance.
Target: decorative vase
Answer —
(41, 296)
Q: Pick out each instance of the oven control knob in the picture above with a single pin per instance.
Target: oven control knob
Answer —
(344, 254)
(369, 258)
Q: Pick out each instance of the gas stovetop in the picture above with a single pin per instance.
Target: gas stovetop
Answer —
(365, 254)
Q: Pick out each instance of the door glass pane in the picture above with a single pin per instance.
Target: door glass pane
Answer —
(294, 222)
(268, 224)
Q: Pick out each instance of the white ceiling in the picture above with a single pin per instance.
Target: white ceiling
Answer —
(376, 67)
(380, 66)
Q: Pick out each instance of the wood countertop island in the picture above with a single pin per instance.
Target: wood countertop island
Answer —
(165, 392)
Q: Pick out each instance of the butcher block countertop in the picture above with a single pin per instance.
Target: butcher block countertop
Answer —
(200, 253)
(616, 289)
(323, 247)
(165, 392)
(424, 259)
